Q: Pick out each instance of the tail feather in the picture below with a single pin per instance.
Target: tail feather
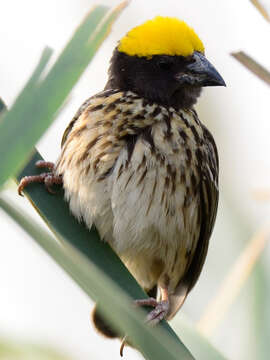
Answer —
(102, 325)
(177, 300)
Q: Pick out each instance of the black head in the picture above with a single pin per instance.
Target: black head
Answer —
(167, 80)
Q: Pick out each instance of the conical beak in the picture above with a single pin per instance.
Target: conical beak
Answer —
(200, 72)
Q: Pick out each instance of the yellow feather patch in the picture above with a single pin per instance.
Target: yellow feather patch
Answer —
(161, 36)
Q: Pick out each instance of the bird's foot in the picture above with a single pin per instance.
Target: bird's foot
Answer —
(48, 178)
(161, 309)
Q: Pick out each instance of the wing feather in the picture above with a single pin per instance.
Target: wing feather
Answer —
(208, 209)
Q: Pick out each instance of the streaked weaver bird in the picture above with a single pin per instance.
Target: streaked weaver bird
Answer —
(137, 162)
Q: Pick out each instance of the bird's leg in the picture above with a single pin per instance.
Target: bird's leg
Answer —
(161, 309)
(48, 178)
(45, 164)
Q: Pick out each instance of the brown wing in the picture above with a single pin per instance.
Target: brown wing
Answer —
(75, 118)
(208, 210)
(102, 94)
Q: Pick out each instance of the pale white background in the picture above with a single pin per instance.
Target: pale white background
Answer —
(38, 302)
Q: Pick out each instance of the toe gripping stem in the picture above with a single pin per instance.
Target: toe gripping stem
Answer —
(160, 311)
(48, 178)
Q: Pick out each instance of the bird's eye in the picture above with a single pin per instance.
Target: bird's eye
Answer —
(165, 64)
(190, 59)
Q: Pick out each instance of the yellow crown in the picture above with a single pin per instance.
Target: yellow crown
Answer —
(161, 36)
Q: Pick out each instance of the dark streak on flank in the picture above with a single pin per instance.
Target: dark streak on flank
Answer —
(172, 173)
(162, 197)
(189, 156)
(183, 135)
(173, 177)
(106, 173)
(183, 178)
(147, 136)
(167, 182)
(187, 197)
(130, 142)
(120, 171)
(142, 163)
(187, 200)
(142, 176)
(195, 134)
(87, 169)
(167, 213)
(87, 149)
(152, 196)
(184, 120)
(130, 177)
(195, 116)
(199, 156)
(167, 120)
(169, 169)
(142, 189)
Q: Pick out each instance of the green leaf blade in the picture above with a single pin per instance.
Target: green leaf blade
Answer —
(99, 255)
(36, 107)
(90, 262)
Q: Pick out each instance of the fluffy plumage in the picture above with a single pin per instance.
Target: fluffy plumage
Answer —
(146, 176)
(138, 164)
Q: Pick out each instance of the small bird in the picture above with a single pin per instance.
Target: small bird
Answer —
(137, 162)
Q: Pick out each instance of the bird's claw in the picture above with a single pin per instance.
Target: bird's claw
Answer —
(48, 178)
(160, 311)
